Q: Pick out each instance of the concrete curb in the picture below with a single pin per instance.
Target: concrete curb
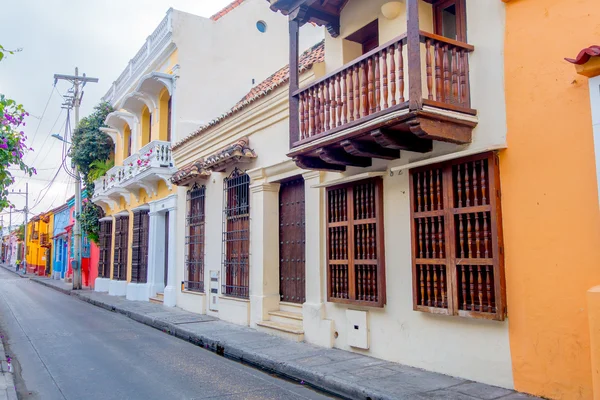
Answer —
(14, 272)
(7, 382)
(326, 383)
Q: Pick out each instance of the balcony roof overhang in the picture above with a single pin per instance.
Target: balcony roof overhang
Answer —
(136, 101)
(118, 119)
(587, 62)
(153, 83)
(190, 173)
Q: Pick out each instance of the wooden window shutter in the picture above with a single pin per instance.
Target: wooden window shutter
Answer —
(458, 263)
(139, 247)
(355, 244)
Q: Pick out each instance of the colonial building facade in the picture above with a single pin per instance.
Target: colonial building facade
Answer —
(360, 198)
(190, 69)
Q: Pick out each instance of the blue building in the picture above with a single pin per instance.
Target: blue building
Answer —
(60, 241)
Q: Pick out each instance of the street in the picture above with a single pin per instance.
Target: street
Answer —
(64, 348)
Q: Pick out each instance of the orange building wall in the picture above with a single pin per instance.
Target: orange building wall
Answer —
(549, 196)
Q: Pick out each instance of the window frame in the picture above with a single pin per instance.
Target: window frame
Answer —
(452, 260)
(140, 246)
(236, 212)
(105, 244)
(351, 261)
(195, 221)
(461, 18)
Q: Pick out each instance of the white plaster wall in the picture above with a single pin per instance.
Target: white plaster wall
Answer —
(472, 349)
(595, 102)
(219, 59)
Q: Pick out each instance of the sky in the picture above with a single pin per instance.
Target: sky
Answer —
(98, 37)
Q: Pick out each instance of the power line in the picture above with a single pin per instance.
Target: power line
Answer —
(43, 113)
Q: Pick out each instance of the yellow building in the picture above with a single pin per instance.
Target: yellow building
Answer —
(38, 257)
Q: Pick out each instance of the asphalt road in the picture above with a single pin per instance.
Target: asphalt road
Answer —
(67, 349)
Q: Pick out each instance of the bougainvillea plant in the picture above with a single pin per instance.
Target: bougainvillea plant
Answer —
(12, 145)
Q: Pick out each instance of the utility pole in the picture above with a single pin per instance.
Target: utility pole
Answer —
(78, 83)
(25, 210)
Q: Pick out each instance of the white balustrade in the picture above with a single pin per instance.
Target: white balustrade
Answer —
(133, 69)
(156, 154)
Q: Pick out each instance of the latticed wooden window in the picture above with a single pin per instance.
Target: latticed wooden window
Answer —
(121, 247)
(355, 247)
(194, 240)
(105, 237)
(458, 264)
(139, 246)
(236, 239)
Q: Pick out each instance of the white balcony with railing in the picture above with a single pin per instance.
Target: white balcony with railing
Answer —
(142, 170)
(155, 44)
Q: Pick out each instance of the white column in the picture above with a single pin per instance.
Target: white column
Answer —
(171, 290)
(264, 250)
(317, 330)
(155, 254)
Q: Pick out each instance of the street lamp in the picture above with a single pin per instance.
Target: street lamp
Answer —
(59, 137)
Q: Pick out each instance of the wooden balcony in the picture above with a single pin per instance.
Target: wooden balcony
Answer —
(44, 240)
(402, 95)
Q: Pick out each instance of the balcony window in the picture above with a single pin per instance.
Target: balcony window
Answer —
(367, 37)
(450, 19)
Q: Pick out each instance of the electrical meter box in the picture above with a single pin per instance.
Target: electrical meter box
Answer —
(213, 303)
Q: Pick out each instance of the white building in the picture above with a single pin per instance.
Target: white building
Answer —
(189, 70)
(336, 210)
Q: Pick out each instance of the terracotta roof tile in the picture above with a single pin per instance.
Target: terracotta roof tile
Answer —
(313, 55)
(585, 55)
(227, 9)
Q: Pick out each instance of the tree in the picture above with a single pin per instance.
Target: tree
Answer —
(91, 151)
(90, 144)
(12, 141)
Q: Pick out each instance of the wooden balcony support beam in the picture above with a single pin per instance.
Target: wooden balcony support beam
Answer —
(372, 150)
(401, 141)
(314, 163)
(338, 157)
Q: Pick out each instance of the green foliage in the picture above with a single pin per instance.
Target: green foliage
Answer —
(99, 168)
(12, 145)
(20, 232)
(90, 144)
(90, 214)
(90, 151)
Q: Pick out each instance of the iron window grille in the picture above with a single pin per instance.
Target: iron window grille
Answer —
(194, 240)
(236, 239)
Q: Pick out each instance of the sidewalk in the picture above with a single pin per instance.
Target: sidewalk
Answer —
(339, 372)
(7, 383)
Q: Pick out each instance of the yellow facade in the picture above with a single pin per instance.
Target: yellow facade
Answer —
(39, 231)
(153, 125)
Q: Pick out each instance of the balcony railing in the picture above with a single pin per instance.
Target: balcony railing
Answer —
(156, 154)
(154, 43)
(44, 240)
(380, 82)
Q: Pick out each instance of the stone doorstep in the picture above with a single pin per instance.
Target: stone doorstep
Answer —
(339, 383)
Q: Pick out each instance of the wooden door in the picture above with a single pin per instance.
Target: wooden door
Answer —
(139, 247)
(292, 280)
(121, 248)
